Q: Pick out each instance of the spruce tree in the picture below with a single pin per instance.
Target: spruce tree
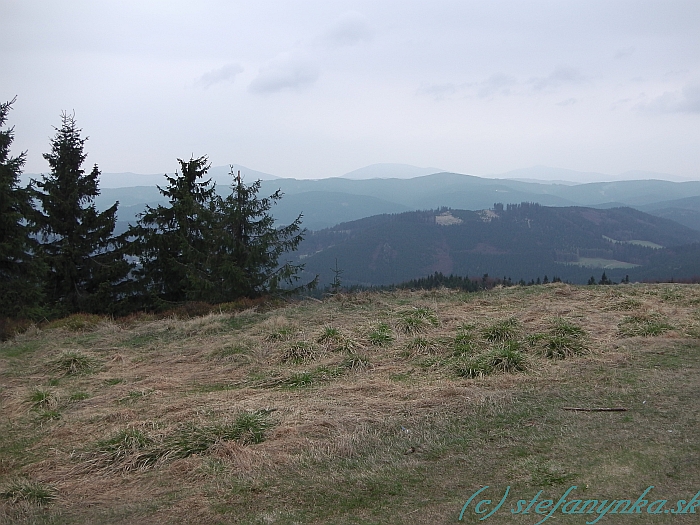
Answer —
(206, 248)
(250, 246)
(87, 270)
(175, 243)
(20, 269)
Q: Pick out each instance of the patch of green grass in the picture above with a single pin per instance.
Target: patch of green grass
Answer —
(215, 387)
(326, 373)
(77, 322)
(329, 334)
(381, 336)
(501, 331)
(561, 347)
(643, 326)
(565, 328)
(73, 363)
(300, 380)
(14, 350)
(402, 376)
(48, 415)
(41, 399)
(248, 428)
(283, 334)
(471, 367)
(624, 304)
(34, 492)
(141, 340)
(417, 320)
(133, 396)
(333, 339)
(535, 339)
(545, 474)
(113, 381)
(230, 351)
(238, 322)
(131, 443)
(464, 343)
(506, 358)
(563, 339)
(79, 396)
(421, 345)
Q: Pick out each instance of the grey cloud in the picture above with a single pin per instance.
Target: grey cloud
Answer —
(560, 75)
(223, 74)
(297, 68)
(498, 83)
(624, 53)
(685, 101)
(567, 102)
(690, 103)
(285, 72)
(350, 29)
(437, 91)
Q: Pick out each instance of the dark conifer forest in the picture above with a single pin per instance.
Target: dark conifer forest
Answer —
(60, 255)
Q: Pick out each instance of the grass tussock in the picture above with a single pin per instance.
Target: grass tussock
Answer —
(501, 331)
(334, 340)
(78, 322)
(417, 320)
(299, 352)
(562, 339)
(132, 449)
(29, 491)
(73, 362)
(650, 325)
(381, 335)
(43, 399)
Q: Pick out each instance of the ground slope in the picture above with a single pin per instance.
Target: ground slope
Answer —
(364, 408)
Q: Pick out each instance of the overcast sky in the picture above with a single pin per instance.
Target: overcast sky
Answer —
(313, 89)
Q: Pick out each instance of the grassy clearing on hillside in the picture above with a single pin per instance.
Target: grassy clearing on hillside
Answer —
(597, 262)
(365, 408)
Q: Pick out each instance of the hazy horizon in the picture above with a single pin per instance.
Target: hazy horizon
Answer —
(543, 174)
(320, 89)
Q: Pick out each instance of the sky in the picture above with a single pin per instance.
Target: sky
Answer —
(314, 89)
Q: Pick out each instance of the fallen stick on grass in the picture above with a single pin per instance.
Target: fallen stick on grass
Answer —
(613, 409)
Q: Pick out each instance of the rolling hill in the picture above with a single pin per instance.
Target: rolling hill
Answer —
(518, 241)
(327, 202)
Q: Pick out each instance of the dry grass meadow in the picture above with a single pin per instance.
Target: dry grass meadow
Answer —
(363, 408)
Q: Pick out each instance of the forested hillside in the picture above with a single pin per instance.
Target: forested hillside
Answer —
(523, 241)
(328, 202)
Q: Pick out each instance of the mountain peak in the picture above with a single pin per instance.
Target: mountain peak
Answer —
(390, 171)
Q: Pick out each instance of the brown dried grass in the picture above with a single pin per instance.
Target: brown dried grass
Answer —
(169, 378)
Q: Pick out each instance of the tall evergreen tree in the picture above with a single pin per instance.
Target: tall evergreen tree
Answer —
(87, 269)
(174, 243)
(20, 269)
(206, 248)
(250, 246)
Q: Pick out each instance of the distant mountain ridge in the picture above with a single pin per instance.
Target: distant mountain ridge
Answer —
(327, 202)
(219, 174)
(389, 171)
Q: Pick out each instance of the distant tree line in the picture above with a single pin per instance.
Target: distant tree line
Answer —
(59, 254)
(467, 284)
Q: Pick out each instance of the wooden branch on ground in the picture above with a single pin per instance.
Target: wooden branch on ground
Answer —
(611, 409)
